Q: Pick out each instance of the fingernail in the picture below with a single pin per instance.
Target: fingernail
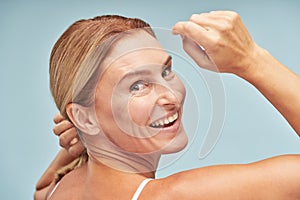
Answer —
(74, 141)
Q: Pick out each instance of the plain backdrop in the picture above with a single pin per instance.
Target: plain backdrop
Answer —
(253, 129)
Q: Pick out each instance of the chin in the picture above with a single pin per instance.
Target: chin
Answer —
(177, 144)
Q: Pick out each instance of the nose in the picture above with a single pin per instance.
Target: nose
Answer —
(165, 96)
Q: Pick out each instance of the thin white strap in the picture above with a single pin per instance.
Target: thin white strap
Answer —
(140, 188)
(53, 190)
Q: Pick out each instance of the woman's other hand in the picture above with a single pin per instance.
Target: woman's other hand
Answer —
(68, 137)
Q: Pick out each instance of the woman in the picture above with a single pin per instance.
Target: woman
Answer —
(124, 146)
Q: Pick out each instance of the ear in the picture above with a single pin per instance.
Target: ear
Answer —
(83, 118)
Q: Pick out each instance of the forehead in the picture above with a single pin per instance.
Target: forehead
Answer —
(134, 50)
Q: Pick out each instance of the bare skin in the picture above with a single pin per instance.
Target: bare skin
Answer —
(72, 148)
(274, 178)
(229, 45)
(62, 158)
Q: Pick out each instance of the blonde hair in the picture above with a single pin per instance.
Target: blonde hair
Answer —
(72, 72)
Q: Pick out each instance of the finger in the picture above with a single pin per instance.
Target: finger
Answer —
(221, 20)
(211, 21)
(194, 31)
(58, 118)
(66, 138)
(74, 141)
(223, 12)
(76, 149)
(198, 54)
(62, 126)
(211, 15)
(178, 28)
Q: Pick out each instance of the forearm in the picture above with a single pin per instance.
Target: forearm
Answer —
(41, 194)
(62, 158)
(277, 83)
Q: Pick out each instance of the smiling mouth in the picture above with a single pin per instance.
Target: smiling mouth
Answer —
(166, 122)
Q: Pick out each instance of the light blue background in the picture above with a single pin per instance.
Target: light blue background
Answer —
(253, 129)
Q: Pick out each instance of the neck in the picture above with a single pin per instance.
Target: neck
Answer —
(103, 152)
(100, 177)
(105, 168)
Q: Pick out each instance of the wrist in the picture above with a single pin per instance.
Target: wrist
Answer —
(256, 62)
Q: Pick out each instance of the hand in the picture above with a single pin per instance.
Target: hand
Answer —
(68, 137)
(224, 37)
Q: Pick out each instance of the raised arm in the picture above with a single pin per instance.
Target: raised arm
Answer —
(62, 158)
(278, 84)
(275, 178)
(229, 45)
(71, 150)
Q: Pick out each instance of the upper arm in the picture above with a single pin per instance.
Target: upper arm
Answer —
(268, 179)
(226, 181)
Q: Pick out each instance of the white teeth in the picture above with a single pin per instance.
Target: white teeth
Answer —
(161, 122)
(165, 121)
(175, 116)
(171, 118)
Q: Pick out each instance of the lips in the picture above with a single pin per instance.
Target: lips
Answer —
(165, 122)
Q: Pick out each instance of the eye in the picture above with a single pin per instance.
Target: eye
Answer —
(139, 85)
(167, 71)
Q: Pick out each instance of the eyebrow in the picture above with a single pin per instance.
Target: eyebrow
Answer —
(144, 71)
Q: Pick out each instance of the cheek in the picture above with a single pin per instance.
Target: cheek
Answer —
(103, 104)
(179, 89)
(103, 110)
(139, 109)
(182, 91)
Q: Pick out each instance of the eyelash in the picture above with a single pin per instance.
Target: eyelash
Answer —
(135, 86)
(140, 82)
(169, 69)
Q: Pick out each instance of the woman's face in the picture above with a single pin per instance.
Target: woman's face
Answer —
(139, 98)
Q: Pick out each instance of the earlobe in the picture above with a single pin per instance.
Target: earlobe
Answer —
(83, 118)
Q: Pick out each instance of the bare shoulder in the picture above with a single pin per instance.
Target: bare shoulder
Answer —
(274, 178)
(70, 186)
